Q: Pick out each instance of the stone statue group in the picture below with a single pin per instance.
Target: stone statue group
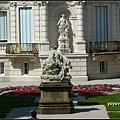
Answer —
(56, 67)
(63, 30)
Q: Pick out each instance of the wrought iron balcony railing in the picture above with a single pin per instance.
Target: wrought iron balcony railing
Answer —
(106, 46)
(21, 48)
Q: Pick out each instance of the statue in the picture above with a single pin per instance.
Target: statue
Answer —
(63, 40)
(56, 67)
(63, 27)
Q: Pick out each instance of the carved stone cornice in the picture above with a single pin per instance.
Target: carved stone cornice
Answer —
(25, 3)
(4, 7)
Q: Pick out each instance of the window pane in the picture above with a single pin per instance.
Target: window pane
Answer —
(1, 67)
(101, 23)
(102, 66)
(26, 25)
(26, 68)
(3, 25)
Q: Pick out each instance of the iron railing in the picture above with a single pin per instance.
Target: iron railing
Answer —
(106, 46)
(21, 48)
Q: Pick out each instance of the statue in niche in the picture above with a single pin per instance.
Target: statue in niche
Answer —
(56, 67)
(63, 27)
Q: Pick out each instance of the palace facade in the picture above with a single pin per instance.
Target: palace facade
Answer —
(29, 28)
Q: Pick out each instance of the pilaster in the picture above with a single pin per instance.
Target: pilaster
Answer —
(13, 22)
(80, 42)
(37, 22)
(44, 27)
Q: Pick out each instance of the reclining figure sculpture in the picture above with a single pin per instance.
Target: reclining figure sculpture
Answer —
(56, 67)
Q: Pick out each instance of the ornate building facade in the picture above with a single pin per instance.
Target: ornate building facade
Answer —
(29, 28)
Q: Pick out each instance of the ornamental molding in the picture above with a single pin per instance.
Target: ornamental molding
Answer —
(44, 3)
(114, 2)
(73, 14)
(80, 2)
(37, 3)
(95, 58)
(101, 4)
(25, 3)
(4, 7)
(13, 4)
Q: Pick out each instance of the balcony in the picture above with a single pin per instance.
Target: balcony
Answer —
(21, 48)
(105, 47)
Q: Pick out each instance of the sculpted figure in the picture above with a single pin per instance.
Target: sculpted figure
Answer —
(56, 66)
(63, 27)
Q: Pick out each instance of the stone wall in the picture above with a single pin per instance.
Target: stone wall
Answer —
(112, 67)
(15, 67)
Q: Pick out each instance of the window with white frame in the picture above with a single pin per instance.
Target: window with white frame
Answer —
(3, 26)
(1, 68)
(25, 20)
(26, 68)
(101, 23)
(102, 66)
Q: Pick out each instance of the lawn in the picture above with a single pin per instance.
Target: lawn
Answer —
(9, 102)
(105, 100)
(114, 114)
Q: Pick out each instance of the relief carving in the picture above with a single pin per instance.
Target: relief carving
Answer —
(80, 2)
(37, 3)
(4, 7)
(13, 4)
(25, 3)
(44, 3)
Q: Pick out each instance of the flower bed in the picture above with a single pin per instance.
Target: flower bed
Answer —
(80, 89)
(22, 90)
(26, 90)
(93, 89)
(7, 89)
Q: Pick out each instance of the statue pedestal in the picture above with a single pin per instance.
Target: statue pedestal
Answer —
(63, 45)
(55, 98)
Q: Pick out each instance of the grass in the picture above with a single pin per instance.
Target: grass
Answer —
(104, 100)
(114, 114)
(9, 102)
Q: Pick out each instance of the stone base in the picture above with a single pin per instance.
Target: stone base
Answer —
(55, 98)
(63, 45)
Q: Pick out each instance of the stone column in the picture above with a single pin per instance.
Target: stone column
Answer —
(80, 42)
(44, 28)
